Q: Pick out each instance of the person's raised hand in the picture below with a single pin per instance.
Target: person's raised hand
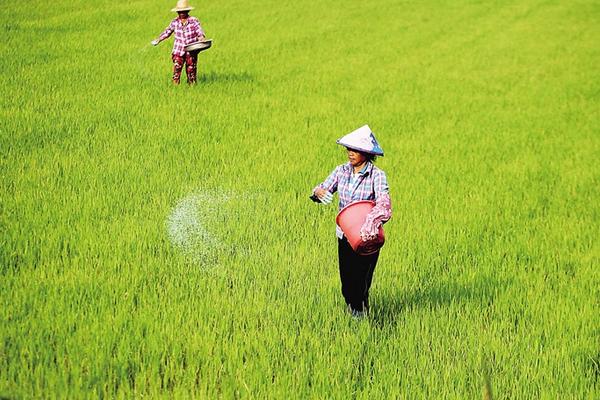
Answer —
(324, 195)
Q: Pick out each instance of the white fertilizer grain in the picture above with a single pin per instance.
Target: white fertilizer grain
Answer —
(189, 223)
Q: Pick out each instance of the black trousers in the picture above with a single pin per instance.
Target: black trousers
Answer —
(356, 274)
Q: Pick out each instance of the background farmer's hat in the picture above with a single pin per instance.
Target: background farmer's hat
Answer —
(182, 5)
(363, 140)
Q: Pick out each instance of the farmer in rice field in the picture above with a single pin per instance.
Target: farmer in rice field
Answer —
(358, 179)
(187, 30)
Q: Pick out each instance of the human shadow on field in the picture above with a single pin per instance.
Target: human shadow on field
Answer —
(386, 309)
(216, 77)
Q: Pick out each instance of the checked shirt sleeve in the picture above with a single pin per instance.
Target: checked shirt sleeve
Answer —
(331, 183)
(382, 211)
(168, 32)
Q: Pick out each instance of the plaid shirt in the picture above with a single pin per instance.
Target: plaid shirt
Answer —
(369, 184)
(184, 34)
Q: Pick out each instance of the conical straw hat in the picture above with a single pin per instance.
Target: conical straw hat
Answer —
(182, 5)
(363, 140)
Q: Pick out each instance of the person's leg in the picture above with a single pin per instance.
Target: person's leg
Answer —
(177, 68)
(353, 274)
(191, 61)
(344, 257)
(370, 262)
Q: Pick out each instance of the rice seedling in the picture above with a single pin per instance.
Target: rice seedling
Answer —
(158, 241)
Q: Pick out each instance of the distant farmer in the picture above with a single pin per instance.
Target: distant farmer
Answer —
(187, 30)
(359, 179)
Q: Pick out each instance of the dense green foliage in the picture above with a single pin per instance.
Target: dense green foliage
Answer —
(488, 113)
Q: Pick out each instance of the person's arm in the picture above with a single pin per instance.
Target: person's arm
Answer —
(323, 192)
(166, 33)
(382, 211)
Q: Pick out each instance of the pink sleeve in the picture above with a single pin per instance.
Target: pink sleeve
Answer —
(167, 32)
(380, 214)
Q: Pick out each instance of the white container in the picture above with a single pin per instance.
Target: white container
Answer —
(198, 46)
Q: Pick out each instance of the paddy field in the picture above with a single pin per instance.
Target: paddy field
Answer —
(158, 241)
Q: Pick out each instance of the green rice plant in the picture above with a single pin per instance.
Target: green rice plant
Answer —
(158, 241)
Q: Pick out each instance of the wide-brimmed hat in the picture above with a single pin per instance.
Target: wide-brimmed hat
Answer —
(363, 140)
(182, 5)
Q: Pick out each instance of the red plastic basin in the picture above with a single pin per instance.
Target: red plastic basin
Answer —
(351, 218)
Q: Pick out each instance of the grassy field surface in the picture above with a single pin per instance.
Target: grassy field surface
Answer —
(158, 241)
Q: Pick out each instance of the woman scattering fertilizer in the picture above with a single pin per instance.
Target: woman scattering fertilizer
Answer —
(357, 180)
(187, 30)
